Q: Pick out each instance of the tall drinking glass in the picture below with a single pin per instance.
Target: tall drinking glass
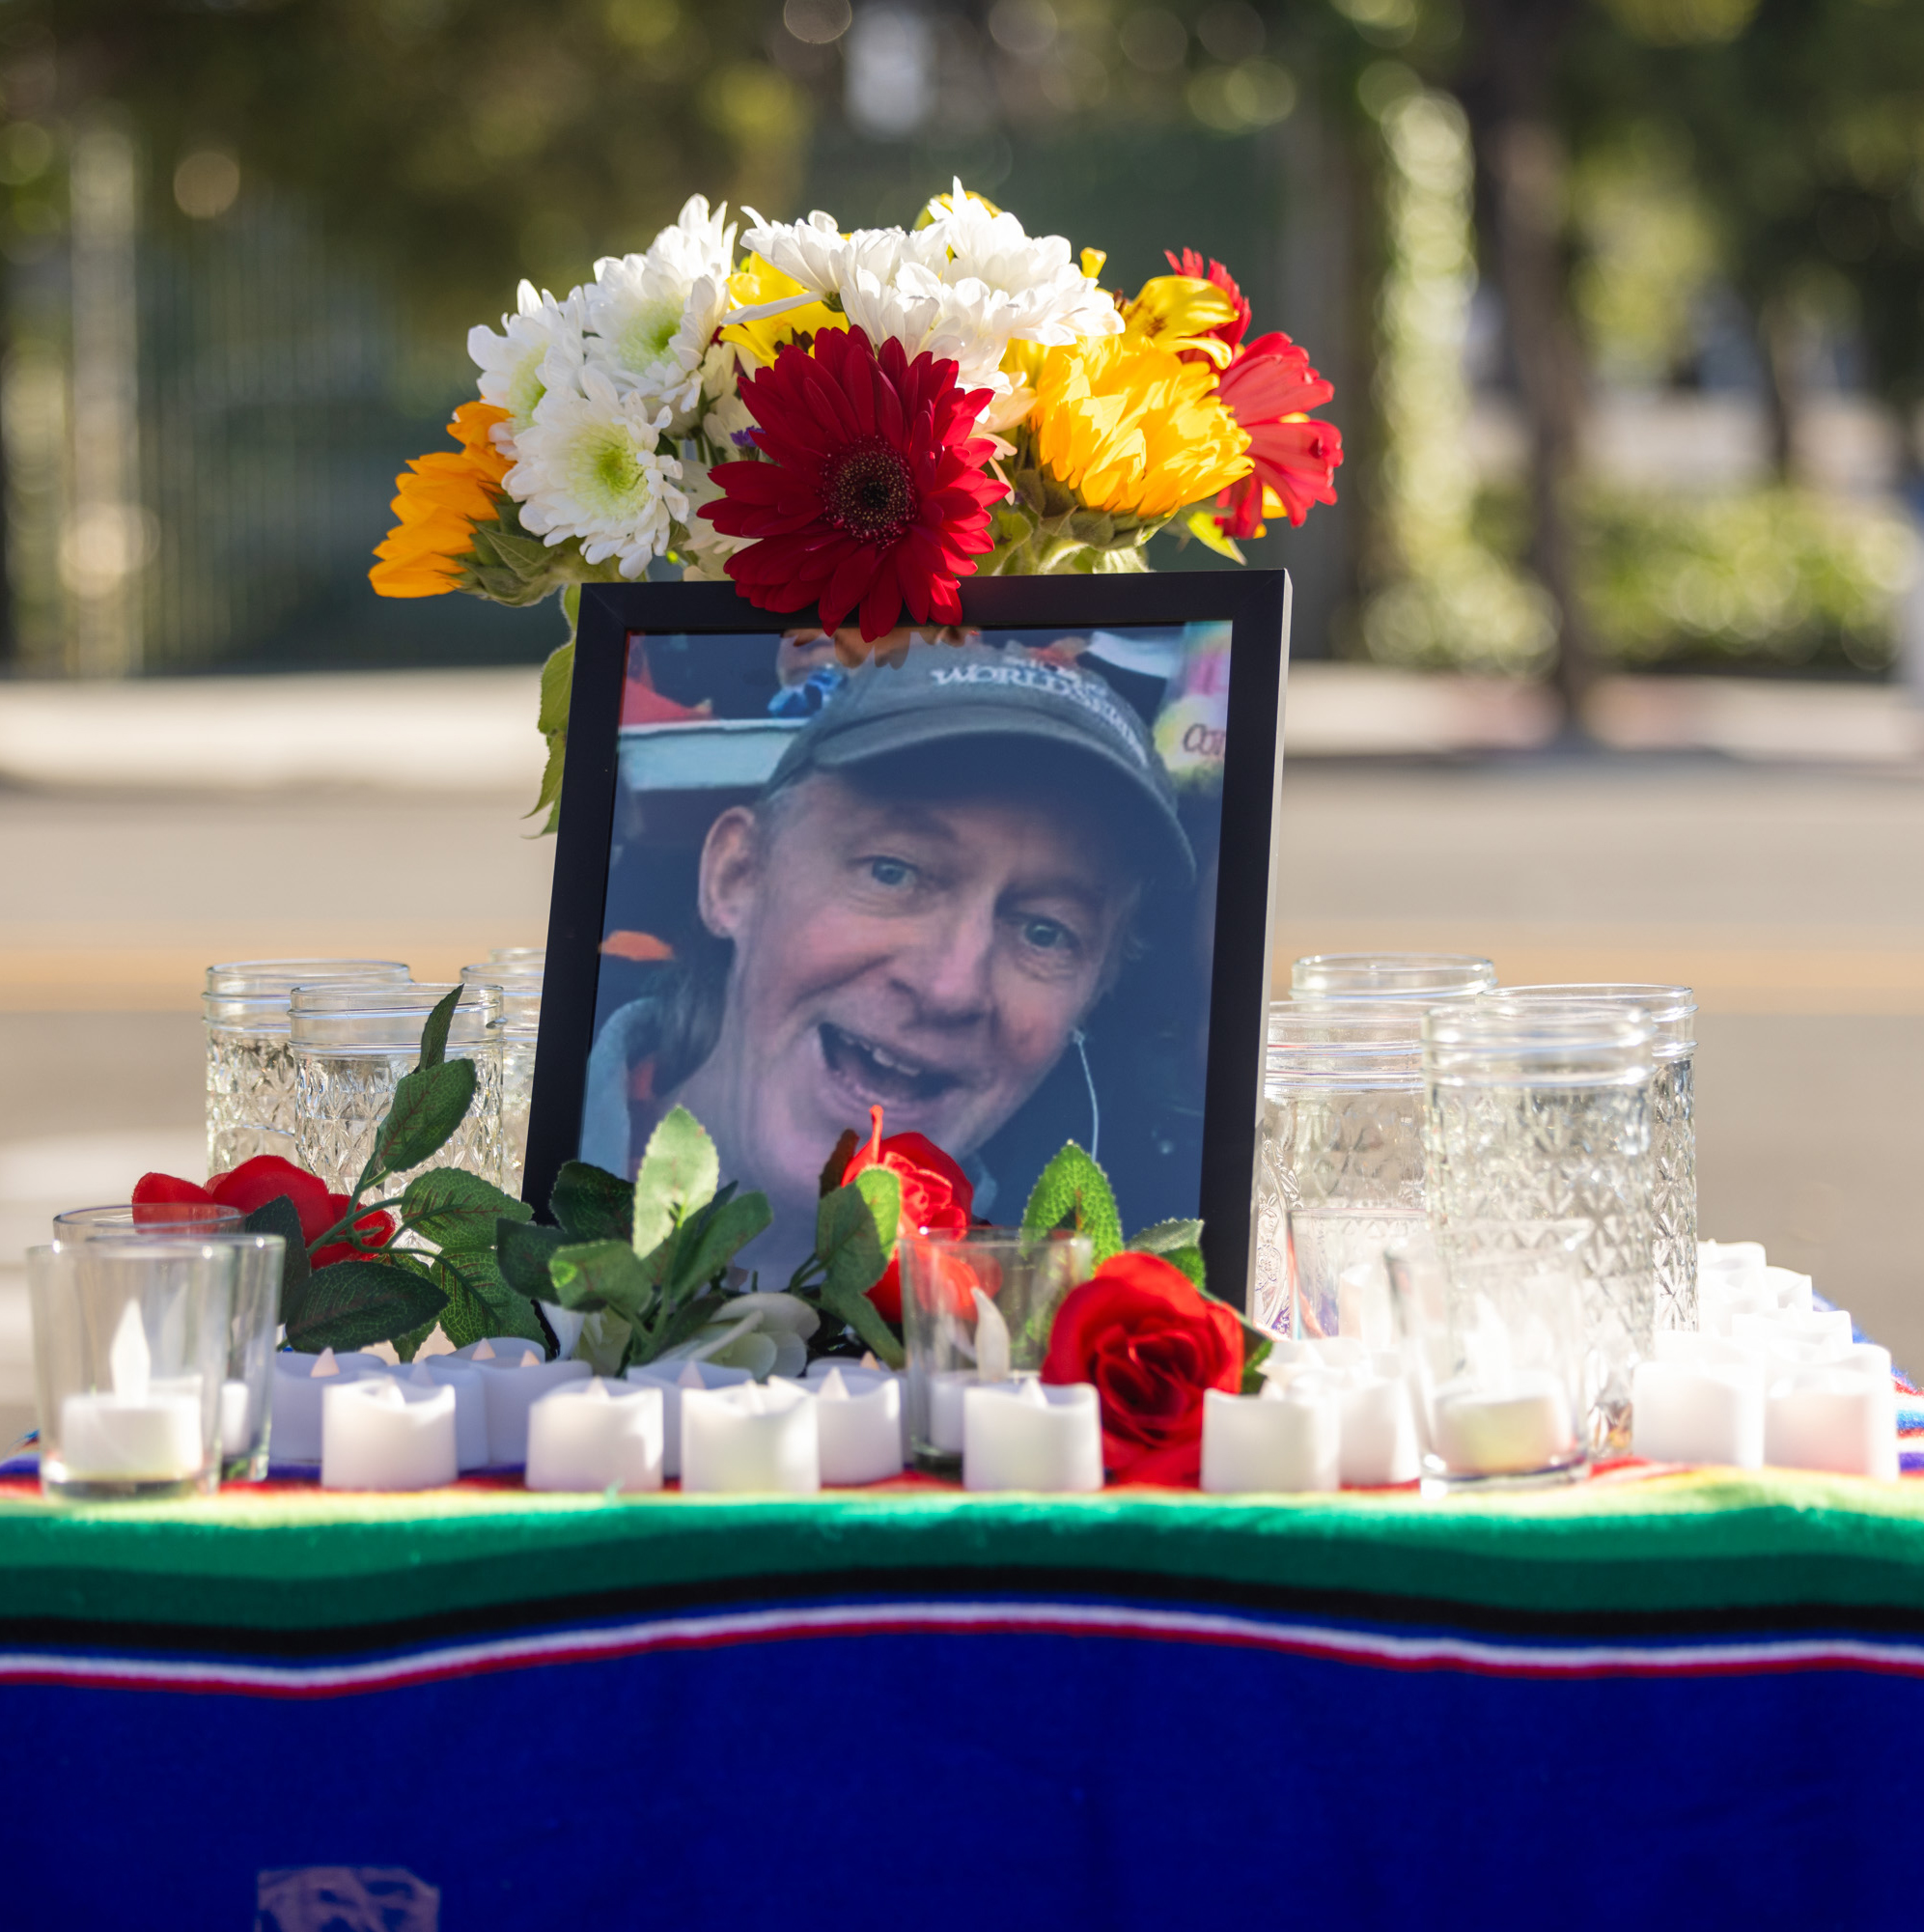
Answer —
(131, 1349)
(1425, 977)
(352, 1044)
(1538, 1115)
(976, 1307)
(1339, 1153)
(250, 1069)
(520, 986)
(1673, 1133)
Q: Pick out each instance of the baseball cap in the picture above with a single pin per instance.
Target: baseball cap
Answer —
(944, 694)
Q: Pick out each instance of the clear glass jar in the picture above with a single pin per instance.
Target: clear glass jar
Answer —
(520, 985)
(524, 959)
(1538, 1118)
(352, 1045)
(1339, 1152)
(1427, 978)
(250, 1061)
(1673, 1133)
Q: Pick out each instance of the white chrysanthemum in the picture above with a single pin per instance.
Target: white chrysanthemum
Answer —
(825, 261)
(728, 419)
(1037, 291)
(650, 334)
(955, 324)
(708, 547)
(699, 244)
(588, 467)
(539, 347)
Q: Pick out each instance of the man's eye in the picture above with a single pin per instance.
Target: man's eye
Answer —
(1048, 935)
(892, 871)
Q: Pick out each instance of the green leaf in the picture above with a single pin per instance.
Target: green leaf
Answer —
(459, 1210)
(592, 1204)
(1074, 1192)
(882, 1190)
(1189, 1261)
(353, 1303)
(848, 1239)
(683, 1325)
(557, 689)
(679, 1173)
(434, 1032)
(409, 1346)
(714, 1238)
(278, 1217)
(506, 1313)
(522, 1252)
(603, 1275)
(1253, 1360)
(848, 1230)
(1163, 1237)
(428, 1107)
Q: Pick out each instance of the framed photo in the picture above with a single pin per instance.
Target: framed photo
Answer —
(1009, 881)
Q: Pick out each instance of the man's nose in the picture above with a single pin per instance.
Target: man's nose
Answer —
(949, 972)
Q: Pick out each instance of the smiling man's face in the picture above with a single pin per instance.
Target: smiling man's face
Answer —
(929, 955)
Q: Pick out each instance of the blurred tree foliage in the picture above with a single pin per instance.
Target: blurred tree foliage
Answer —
(462, 142)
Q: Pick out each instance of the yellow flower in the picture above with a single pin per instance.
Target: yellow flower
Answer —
(1176, 310)
(1133, 429)
(443, 495)
(758, 283)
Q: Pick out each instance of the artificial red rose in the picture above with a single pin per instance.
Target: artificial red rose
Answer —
(1153, 1345)
(267, 1178)
(937, 1197)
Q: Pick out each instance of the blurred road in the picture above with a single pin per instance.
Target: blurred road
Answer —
(1791, 896)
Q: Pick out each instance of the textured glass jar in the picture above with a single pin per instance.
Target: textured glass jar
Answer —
(1339, 1152)
(1537, 1116)
(520, 985)
(250, 1062)
(1673, 1133)
(352, 1045)
(1425, 977)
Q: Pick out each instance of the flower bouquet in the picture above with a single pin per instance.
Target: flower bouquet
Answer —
(854, 422)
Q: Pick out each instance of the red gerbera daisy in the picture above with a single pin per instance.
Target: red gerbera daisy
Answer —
(873, 495)
(1191, 264)
(1267, 389)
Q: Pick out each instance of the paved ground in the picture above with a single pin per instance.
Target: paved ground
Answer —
(1792, 897)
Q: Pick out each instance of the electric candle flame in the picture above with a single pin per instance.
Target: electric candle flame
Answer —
(129, 1361)
(992, 1339)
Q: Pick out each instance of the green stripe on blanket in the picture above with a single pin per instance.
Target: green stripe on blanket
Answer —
(296, 1558)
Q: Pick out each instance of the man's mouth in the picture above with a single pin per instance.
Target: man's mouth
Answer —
(881, 1073)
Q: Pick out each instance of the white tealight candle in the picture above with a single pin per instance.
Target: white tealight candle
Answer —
(946, 1389)
(1283, 1439)
(1698, 1411)
(596, 1434)
(470, 1403)
(1379, 1433)
(385, 1433)
(300, 1381)
(673, 1378)
(1028, 1435)
(512, 1385)
(750, 1438)
(858, 1424)
(137, 1433)
(1835, 1418)
(1510, 1427)
(1829, 1325)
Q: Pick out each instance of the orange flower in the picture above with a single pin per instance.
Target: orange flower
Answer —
(443, 497)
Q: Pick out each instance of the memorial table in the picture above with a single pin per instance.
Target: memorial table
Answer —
(1646, 1698)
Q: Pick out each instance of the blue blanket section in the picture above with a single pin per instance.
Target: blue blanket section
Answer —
(920, 1782)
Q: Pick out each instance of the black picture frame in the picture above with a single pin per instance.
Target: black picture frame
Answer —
(1255, 604)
